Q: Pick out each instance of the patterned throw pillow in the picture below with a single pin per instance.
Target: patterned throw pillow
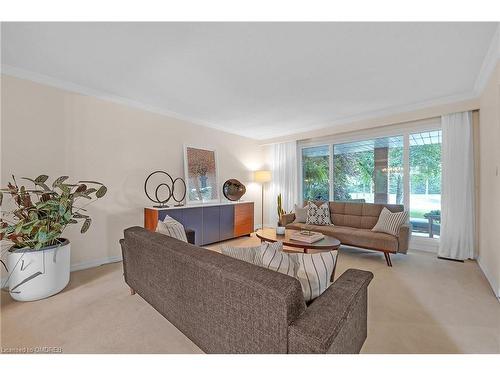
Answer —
(247, 254)
(171, 228)
(271, 256)
(318, 215)
(314, 272)
(389, 222)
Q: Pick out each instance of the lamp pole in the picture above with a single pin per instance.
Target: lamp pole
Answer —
(262, 205)
(262, 176)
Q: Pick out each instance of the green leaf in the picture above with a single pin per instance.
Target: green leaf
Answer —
(59, 181)
(67, 216)
(41, 179)
(62, 209)
(90, 182)
(43, 186)
(101, 192)
(86, 225)
(65, 189)
(19, 227)
(42, 235)
(33, 215)
(78, 195)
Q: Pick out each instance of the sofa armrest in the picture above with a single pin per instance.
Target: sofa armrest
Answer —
(190, 235)
(404, 236)
(336, 321)
(287, 219)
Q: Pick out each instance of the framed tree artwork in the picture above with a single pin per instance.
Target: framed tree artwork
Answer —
(201, 175)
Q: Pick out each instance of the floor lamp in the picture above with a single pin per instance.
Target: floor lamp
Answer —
(262, 177)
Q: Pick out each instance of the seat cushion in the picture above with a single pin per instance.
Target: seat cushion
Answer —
(354, 236)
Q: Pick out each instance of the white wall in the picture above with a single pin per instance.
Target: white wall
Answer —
(489, 184)
(51, 131)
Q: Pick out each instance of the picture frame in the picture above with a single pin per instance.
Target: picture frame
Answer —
(201, 175)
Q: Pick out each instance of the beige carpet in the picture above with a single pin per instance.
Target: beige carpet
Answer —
(420, 305)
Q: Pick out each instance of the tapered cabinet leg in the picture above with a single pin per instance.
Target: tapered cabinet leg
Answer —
(388, 259)
(132, 291)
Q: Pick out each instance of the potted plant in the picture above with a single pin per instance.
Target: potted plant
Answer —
(280, 228)
(39, 259)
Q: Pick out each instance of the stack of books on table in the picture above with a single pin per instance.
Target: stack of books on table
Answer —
(307, 236)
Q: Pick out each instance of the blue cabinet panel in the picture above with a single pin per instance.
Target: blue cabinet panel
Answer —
(226, 222)
(211, 224)
(174, 214)
(193, 219)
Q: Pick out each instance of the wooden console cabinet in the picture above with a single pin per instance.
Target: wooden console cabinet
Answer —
(211, 222)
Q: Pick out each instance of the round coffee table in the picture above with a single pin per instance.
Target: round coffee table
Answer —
(326, 244)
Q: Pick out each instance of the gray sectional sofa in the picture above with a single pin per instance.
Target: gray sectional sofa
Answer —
(225, 305)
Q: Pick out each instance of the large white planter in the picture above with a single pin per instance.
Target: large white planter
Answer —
(37, 274)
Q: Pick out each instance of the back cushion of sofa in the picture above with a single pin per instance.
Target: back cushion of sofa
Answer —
(358, 215)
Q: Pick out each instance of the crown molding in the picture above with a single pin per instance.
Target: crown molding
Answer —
(489, 63)
(86, 91)
(312, 130)
(380, 118)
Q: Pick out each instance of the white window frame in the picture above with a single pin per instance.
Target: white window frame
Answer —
(404, 130)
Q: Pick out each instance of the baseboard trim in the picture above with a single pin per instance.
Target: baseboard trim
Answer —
(95, 263)
(84, 265)
(451, 259)
(489, 278)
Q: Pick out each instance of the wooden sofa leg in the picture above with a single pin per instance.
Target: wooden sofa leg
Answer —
(388, 259)
(132, 291)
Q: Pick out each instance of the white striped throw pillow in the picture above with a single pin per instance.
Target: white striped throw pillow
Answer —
(172, 228)
(247, 254)
(271, 256)
(389, 222)
(314, 272)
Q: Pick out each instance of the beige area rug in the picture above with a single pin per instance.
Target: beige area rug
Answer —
(420, 305)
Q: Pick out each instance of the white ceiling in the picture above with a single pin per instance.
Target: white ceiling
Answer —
(260, 80)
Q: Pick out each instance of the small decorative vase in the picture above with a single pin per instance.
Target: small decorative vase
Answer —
(280, 230)
(37, 274)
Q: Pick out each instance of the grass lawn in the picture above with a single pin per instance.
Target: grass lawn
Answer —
(418, 214)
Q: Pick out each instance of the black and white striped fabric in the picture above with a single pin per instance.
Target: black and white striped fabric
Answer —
(318, 215)
(272, 257)
(314, 272)
(247, 254)
(171, 228)
(389, 222)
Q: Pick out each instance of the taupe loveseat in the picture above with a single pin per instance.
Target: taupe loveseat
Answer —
(225, 305)
(352, 224)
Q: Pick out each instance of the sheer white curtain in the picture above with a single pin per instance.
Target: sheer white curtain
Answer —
(284, 178)
(457, 188)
